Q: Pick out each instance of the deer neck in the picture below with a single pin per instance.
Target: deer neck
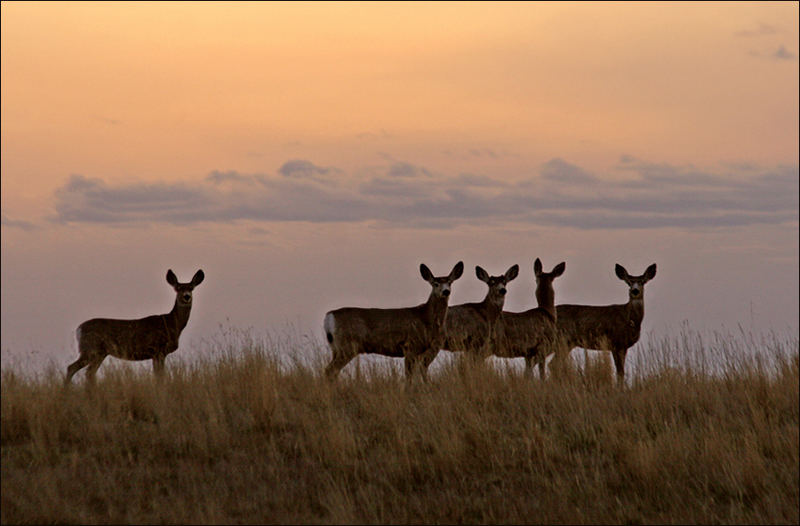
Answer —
(435, 310)
(178, 317)
(635, 307)
(492, 305)
(545, 299)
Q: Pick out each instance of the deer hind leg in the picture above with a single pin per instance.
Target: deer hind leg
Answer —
(74, 367)
(528, 366)
(93, 366)
(339, 359)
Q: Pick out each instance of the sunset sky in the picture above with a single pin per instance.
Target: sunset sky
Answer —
(309, 156)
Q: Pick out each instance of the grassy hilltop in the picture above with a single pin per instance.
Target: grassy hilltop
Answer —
(241, 438)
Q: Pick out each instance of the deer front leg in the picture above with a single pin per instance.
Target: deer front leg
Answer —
(158, 366)
(619, 363)
(414, 362)
(426, 359)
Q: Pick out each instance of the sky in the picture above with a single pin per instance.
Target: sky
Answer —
(309, 156)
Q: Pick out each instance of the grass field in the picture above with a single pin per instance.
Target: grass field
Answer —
(700, 435)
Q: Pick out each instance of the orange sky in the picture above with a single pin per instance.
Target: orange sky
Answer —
(172, 90)
(147, 98)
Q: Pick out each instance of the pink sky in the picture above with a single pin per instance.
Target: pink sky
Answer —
(309, 156)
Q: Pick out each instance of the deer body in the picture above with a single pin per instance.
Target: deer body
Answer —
(588, 326)
(149, 338)
(469, 326)
(414, 333)
(530, 334)
(614, 328)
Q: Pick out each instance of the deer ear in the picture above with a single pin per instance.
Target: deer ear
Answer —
(559, 269)
(621, 272)
(427, 275)
(650, 273)
(482, 274)
(198, 278)
(512, 273)
(537, 267)
(457, 271)
(172, 279)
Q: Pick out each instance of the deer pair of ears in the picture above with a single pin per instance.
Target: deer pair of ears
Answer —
(510, 274)
(622, 274)
(172, 279)
(556, 272)
(427, 275)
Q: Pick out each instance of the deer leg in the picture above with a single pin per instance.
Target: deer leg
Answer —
(425, 361)
(158, 365)
(74, 367)
(528, 366)
(541, 362)
(338, 361)
(93, 366)
(410, 364)
(619, 363)
(414, 363)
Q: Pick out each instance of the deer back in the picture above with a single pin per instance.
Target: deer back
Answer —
(598, 327)
(517, 333)
(139, 339)
(385, 331)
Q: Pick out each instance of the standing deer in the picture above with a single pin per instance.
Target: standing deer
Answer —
(150, 338)
(531, 334)
(612, 328)
(412, 332)
(469, 326)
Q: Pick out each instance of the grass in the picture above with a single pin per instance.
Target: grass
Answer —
(243, 437)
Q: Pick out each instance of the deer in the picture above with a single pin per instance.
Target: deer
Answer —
(149, 338)
(469, 326)
(411, 333)
(530, 334)
(614, 328)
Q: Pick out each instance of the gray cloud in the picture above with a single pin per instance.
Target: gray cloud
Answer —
(784, 54)
(779, 54)
(761, 30)
(639, 194)
(84, 199)
(16, 223)
(561, 171)
(404, 169)
(218, 177)
(303, 168)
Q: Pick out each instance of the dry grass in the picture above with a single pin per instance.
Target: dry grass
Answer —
(242, 438)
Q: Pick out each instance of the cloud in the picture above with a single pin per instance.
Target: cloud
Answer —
(483, 152)
(303, 168)
(761, 30)
(783, 54)
(779, 54)
(404, 169)
(468, 179)
(231, 176)
(84, 199)
(561, 171)
(16, 223)
(634, 194)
